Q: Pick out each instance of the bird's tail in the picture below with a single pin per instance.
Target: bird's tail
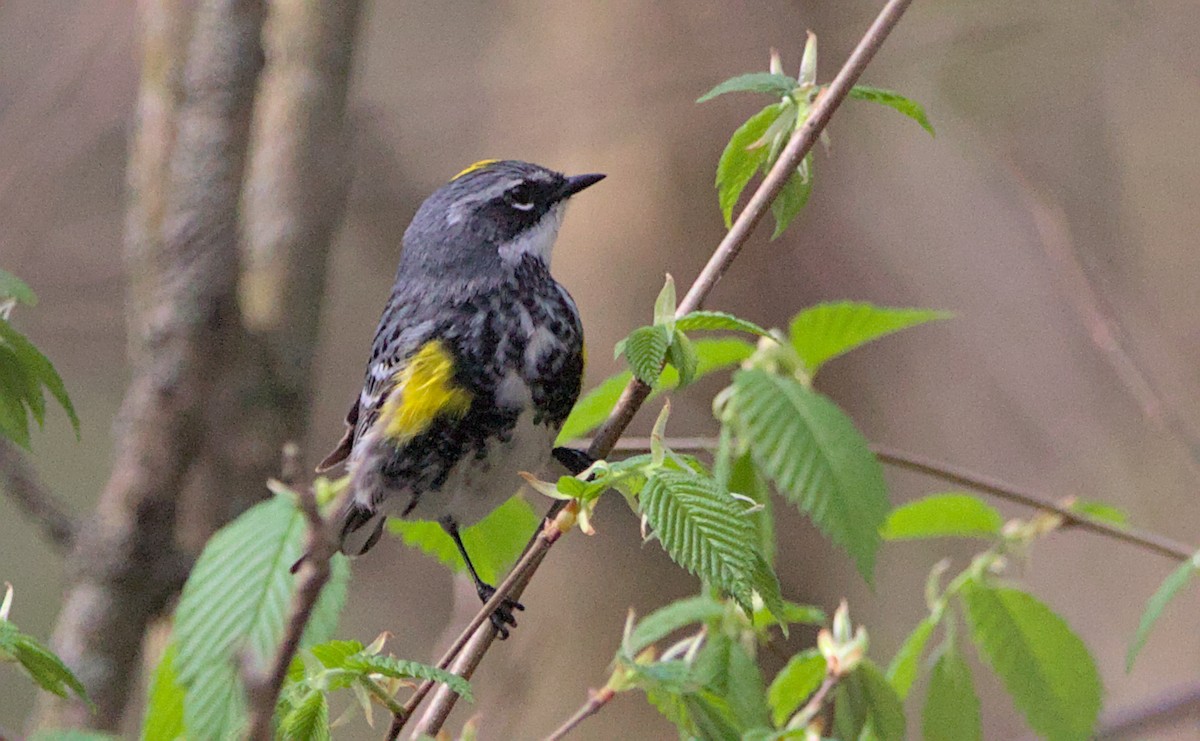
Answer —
(361, 528)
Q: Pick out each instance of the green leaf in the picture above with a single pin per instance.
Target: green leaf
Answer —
(593, 408)
(13, 287)
(390, 666)
(794, 683)
(728, 672)
(664, 306)
(754, 82)
(682, 355)
(645, 349)
(702, 529)
(718, 320)
(894, 100)
(943, 515)
(235, 604)
(1043, 664)
(1171, 586)
(308, 719)
(23, 373)
(745, 480)
(902, 672)
(885, 710)
(744, 155)
(867, 704)
(494, 542)
(333, 654)
(164, 707)
(816, 457)
(793, 197)
(666, 620)
(39, 663)
(766, 584)
(71, 734)
(951, 706)
(711, 717)
(825, 331)
(1101, 511)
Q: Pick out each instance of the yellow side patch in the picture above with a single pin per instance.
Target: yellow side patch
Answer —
(472, 168)
(424, 390)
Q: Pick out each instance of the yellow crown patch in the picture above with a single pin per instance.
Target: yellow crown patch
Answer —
(472, 168)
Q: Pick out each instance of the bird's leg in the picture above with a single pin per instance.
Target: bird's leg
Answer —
(502, 618)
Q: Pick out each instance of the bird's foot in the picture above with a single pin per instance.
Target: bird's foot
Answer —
(502, 617)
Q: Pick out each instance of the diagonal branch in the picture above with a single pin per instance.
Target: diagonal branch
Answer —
(22, 485)
(636, 392)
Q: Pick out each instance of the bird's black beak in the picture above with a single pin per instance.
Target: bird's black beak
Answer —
(576, 183)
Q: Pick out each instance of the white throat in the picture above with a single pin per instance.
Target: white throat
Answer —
(538, 240)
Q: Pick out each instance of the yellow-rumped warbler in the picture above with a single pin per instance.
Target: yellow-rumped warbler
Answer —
(476, 363)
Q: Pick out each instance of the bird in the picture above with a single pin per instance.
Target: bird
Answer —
(477, 360)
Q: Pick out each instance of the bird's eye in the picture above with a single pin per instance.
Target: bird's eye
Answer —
(520, 197)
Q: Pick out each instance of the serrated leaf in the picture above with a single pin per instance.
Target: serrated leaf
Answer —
(794, 683)
(333, 654)
(793, 196)
(745, 480)
(1171, 586)
(903, 669)
(233, 608)
(753, 82)
(389, 666)
(682, 356)
(164, 706)
(40, 663)
(645, 350)
(766, 585)
(1043, 664)
(494, 542)
(308, 719)
(13, 287)
(893, 100)
(943, 515)
(702, 529)
(816, 457)
(1101, 511)
(742, 159)
(718, 320)
(712, 717)
(951, 707)
(36, 371)
(666, 620)
(825, 331)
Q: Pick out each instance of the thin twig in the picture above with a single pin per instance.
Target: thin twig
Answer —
(22, 485)
(1143, 539)
(729, 248)
(817, 701)
(1159, 712)
(596, 700)
(314, 572)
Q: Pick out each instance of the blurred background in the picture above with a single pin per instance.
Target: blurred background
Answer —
(1054, 214)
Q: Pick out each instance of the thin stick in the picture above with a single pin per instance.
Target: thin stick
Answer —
(314, 572)
(1140, 538)
(636, 392)
(595, 701)
(21, 483)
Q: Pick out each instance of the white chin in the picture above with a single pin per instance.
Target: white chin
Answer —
(538, 240)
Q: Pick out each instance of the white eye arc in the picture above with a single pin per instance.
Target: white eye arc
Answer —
(522, 206)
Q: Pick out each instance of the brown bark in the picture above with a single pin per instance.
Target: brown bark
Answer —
(126, 566)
